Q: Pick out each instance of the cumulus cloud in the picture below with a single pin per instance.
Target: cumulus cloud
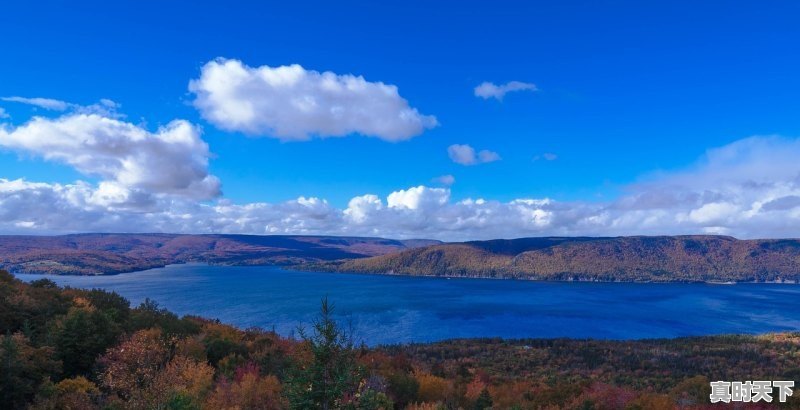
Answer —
(466, 155)
(750, 188)
(130, 160)
(292, 103)
(488, 90)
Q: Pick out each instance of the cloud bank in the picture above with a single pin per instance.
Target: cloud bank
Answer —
(292, 103)
(750, 188)
(142, 180)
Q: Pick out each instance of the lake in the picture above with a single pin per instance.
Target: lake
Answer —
(398, 309)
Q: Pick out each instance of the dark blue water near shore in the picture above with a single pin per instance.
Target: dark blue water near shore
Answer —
(396, 309)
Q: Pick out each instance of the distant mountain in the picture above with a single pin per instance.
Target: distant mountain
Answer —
(87, 254)
(629, 259)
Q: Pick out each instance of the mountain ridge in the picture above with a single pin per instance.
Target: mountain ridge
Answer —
(685, 258)
(110, 253)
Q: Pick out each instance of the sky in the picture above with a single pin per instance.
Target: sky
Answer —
(447, 120)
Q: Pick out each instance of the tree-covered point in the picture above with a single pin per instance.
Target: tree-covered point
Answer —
(694, 258)
(63, 348)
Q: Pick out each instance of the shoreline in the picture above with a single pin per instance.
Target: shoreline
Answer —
(294, 268)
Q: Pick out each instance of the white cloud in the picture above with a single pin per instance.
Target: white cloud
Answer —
(46, 103)
(3, 113)
(714, 212)
(420, 197)
(750, 188)
(104, 107)
(292, 103)
(130, 160)
(488, 90)
(465, 155)
(446, 180)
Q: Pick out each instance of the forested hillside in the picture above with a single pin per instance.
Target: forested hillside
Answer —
(88, 349)
(658, 259)
(88, 254)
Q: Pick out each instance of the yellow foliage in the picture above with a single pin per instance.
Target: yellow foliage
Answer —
(78, 384)
(191, 347)
(432, 388)
(250, 392)
(81, 302)
(220, 331)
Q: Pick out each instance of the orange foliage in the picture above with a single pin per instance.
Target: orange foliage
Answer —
(247, 391)
(474, 388)
(220, 331)
(134, 364)
(182, 376)
(432, 388)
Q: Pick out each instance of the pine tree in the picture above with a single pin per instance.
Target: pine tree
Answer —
(484, 400)
(331, 374)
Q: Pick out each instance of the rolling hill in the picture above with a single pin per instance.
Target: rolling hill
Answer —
(86, 254)
(628, 259)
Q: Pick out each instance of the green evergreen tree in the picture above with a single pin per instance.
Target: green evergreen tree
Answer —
(484, 400)
(23, 368)
(80, 337)
(332, 373)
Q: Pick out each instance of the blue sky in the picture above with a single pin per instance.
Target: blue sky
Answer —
(626, 93)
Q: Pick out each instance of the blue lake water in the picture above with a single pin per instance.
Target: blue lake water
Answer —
(397, 309)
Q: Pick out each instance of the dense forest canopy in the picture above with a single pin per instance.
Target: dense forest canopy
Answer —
(89, 349)
(697, 258)
(108, 253)
(626, 259)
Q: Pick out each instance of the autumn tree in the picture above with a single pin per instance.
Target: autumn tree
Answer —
(432, 388)
(130, 367)
(23, 368)
(247, 390)
(75, 393)
(183, 383)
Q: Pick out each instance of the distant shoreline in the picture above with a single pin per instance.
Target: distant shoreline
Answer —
(716, 260)
(293, 268)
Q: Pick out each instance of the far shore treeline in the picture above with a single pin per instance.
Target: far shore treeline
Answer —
(63, 348)
(694, 258)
